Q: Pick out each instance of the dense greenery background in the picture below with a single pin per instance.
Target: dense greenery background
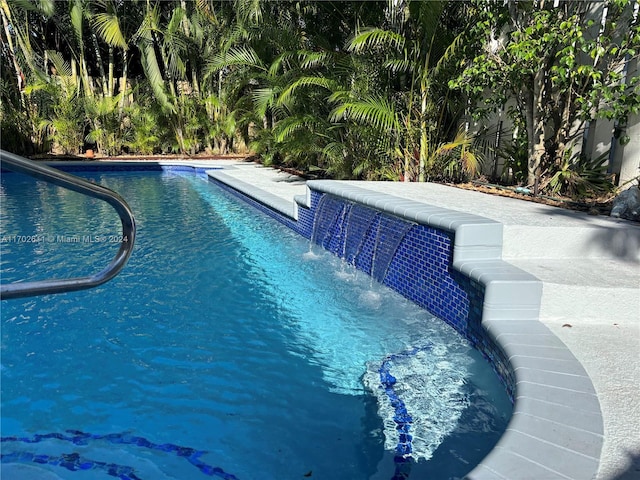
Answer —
(352, 89)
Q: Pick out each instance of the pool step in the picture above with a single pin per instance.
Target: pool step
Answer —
(591, 290)
(616, 241)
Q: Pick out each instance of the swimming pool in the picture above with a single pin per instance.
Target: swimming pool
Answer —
(228, 342)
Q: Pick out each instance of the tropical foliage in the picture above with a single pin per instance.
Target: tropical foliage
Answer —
(564, 63)
(351, 89)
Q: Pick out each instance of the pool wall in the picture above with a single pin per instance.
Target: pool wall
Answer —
(450, 263)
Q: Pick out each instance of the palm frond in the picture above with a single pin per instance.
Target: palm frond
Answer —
(428, 16)
(339, 96)
(213, 101)
(46, 7)
(249, 11)
(237, 56)
(204, 8)
(375, 38)
(154, 75)
(459, 160)
(376, 112)
(174, 47)
(309, 60)
(108, 27)
(61, 65)
(263, 98)
(282, 59)
(77, 16)
(25, 5)
(285, 128)
(399, 65)
(450, 51)
(334, 151)
(289, 92)
(178, 15)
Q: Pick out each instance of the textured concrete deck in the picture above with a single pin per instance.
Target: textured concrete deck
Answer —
(590, 269)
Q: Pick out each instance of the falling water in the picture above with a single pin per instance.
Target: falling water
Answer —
(390, 232)
(359, 224)
(328, 214)
(344, 227)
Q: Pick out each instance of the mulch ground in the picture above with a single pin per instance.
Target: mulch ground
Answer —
(594, 206)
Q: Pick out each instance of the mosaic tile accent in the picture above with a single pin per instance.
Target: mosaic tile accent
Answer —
(402, 417)
(74, 462)
(112, 166)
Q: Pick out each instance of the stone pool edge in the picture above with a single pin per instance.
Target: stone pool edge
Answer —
(556, 429)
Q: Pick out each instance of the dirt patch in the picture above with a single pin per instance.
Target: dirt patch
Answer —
(594, 206)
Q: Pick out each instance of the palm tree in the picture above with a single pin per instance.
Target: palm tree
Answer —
(415, 49)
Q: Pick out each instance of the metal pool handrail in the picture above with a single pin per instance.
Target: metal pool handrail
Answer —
(19, 164)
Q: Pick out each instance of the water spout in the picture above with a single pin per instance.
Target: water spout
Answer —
(361, 236)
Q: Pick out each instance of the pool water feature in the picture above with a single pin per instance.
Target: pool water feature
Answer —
(342, 227)
(223, 336)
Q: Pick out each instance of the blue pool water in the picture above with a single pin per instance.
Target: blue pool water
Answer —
(227, 348)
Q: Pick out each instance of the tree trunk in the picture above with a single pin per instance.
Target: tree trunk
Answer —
(195, 84)
(535, 127)
(123, 88)
(74, 75)
(19, 76)
(88, 85)
(110, 85)
(409, 156)
(103, 76)
(424, 147)
(562, 126)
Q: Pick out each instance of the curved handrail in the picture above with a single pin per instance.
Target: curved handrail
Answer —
(19, 164)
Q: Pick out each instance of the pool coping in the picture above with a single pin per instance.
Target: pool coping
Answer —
(556, 429)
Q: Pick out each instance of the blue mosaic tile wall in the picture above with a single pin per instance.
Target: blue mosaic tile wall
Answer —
(421, 269)
(121, 167)
(477, 336)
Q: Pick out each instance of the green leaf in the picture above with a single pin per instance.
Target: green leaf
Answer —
(153, 73)
(237, 56)
(77, 16)
(377, 112)
(61, 65)
(375, 38)
(263, 98)
(108, 27)
(286, 96)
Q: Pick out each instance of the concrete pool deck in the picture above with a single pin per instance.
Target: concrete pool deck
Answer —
(590, 270)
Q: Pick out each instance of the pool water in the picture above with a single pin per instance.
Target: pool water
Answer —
(228, 347)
